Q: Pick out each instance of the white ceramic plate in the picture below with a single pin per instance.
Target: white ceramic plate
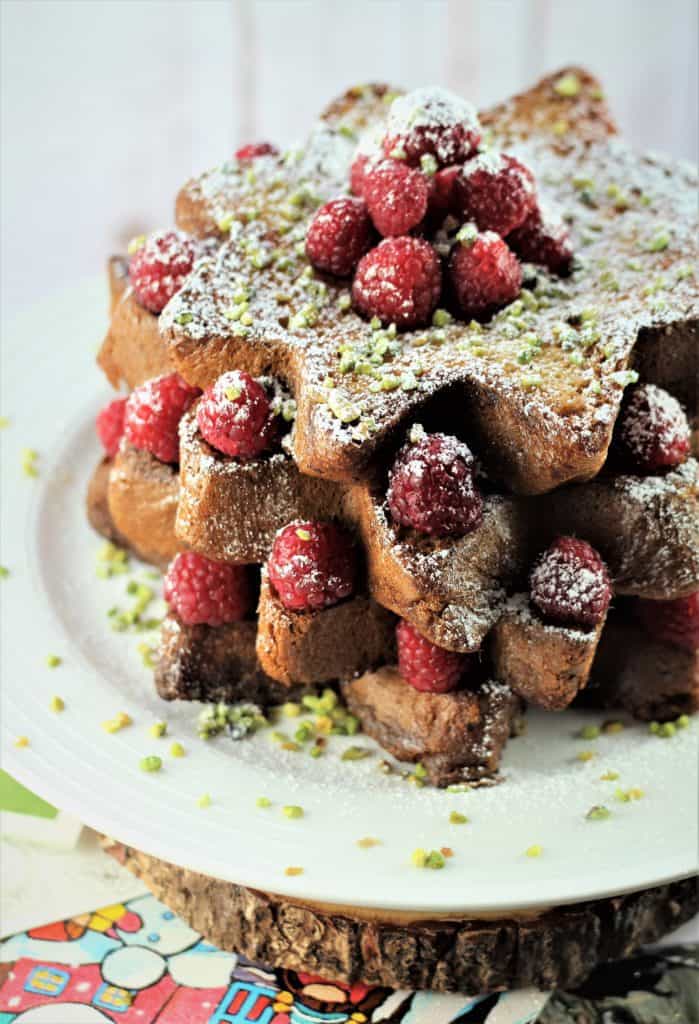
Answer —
(54, 603)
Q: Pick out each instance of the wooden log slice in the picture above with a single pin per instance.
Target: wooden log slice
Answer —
(556, 948)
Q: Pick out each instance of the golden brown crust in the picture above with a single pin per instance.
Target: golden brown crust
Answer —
(321, 646)
(546, 665)
(133, 350)
(142, 496)
(456, 736)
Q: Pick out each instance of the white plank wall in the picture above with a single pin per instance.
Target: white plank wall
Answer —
(108, 105)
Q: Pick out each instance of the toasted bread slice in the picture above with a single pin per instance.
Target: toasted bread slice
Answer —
(142, 494)
(231, 510)
(537, 425)
(325, 645)
(546, 665)
(456, 737)
(634, 672)
(133, 350)
(646, 528)
(213, 664)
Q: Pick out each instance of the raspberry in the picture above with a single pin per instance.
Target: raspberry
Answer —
(653, 431)
(425, 666)
(497, 192)
(399, 281)
(235, 416)
(672, 622)
(153, 412)
(255, 149)
(431, 487)
(202, 592)
(312, 566)
(339, 235)
(543, 238)
(159, 267)
(110, 425)
(484, 274)
(570, 583)
(432, 121)
(360, 165)
(397, 197)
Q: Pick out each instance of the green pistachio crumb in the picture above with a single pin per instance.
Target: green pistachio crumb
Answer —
(682, 722)
(441, 317)
(568, 85)
(612, 727)
(225, 223)
(534, 851)
(598, 813)
(560, 127)
(433, 859)
(135, 244)
(53, 661)
(184, 318)
(456, 818)
(151, 763)
(120, 721)
(57, 704)
(29, 462)
(355, 754)
(625, 796)
(585, 755)
(658, 242)
(589, 732)
(609, 776)
(292, 811)
(291, 709)
(204, 800)
(263, 801)
(177, 750)
(4, 572)
(303, 534)
(467, 234)
(428, 164)
(158, 729)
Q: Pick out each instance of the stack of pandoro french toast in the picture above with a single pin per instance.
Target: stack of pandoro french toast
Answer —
(410, 415)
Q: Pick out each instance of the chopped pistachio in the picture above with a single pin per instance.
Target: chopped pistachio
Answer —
(4, 422)
(458, 787)
(177, 750)
(625, 796)
(57, 704)
(368, 842)
(420, 772)
(29, 459)
(303, 534)
(589, 732)
(598, 813)
(225, 223)
(609, 776)
(184, 318)
(658, 242)
(292, 872)
(53, 661)
(343, 408)
(611, 728)
(456, 818)
(534, 851)
(441, 317)
(120, 721)
(585, 755)
(135, 244)
(428, 164)
(4, 572)
(291, 709)
(305, 732)
(433, 859)
(151, 763)
(263, 801)
(467, 234)
(355, 754)
(204, 800)
(292, 811)
(682, 722)
(22, 741)
(567, 85)
(158, 729)
(560, 127)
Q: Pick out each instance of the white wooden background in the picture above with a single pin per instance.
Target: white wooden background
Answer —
(108, 105)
